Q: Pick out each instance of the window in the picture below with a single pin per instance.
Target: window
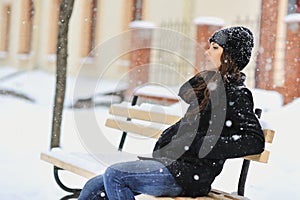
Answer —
(4, 29)
(26, 22)
(89, 29)
(138, 9)
(53, 27)
(133, 10)
(293, 6)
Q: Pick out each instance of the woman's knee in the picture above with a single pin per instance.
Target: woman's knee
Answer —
(111, 173)
(92, 188)
(94, 183)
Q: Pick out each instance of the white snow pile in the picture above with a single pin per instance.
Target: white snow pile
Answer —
(208, 20)
(262, 99)
(295, 17)
(141, 24)
(25, 132)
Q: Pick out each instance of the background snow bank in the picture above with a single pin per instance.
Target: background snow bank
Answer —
(267, 100)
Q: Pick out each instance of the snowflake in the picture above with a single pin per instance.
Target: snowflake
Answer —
(228, 123)
(186, 148)
(236, 137)
(196, 177)
(102, 194)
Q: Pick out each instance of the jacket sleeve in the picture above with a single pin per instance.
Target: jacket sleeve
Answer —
(213, 147)
(224, 147)
(166, 136)
(176, 143)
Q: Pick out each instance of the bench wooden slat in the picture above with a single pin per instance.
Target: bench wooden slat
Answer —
(159, 98)
(269, 135)
(263, 157)
(135, 112)
(169, 94)
(218, 193)
(147, 197)
(67, 166)
(213, 195)
(136, 128)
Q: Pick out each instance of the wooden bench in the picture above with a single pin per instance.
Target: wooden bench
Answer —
(147, 120)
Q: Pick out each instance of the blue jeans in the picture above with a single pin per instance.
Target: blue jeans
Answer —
(123, 181)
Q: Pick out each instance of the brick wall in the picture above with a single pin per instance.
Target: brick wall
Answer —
(141, 37)
(264, 75)
(291, 88)
(206, 26)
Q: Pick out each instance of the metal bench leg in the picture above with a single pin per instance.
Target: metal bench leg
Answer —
(243, 177)
(245, 166)
(134, 101)
(71, 196)
(122, 141)
(75, 192)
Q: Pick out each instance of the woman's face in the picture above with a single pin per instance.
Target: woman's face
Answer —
(213, 56)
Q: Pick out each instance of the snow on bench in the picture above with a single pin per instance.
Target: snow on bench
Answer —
(79, 163)
(157, 92)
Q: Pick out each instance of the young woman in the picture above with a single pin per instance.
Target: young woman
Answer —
(219, 124)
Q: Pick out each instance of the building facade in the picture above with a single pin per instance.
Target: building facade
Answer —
(28, 35)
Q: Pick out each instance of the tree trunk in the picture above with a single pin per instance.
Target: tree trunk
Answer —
(66, 8)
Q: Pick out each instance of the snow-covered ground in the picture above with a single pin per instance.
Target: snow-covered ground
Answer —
(25, 132)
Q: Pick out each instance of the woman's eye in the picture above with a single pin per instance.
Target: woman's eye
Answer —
(215, 47)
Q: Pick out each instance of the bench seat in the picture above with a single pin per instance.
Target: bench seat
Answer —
(83, 164)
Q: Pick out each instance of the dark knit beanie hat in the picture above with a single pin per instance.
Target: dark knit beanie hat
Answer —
(237, 42)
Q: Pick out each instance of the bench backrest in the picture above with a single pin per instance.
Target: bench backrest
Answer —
(150, 120)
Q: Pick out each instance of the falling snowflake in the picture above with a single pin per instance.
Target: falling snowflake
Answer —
(196, 177)
(186, 148)
(228, 123)
(161, 170)
(102, 194)
(236, 137)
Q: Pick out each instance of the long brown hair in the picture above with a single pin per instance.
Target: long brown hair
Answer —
(228, 69)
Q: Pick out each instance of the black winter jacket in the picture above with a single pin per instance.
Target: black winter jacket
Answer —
(195, 148)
